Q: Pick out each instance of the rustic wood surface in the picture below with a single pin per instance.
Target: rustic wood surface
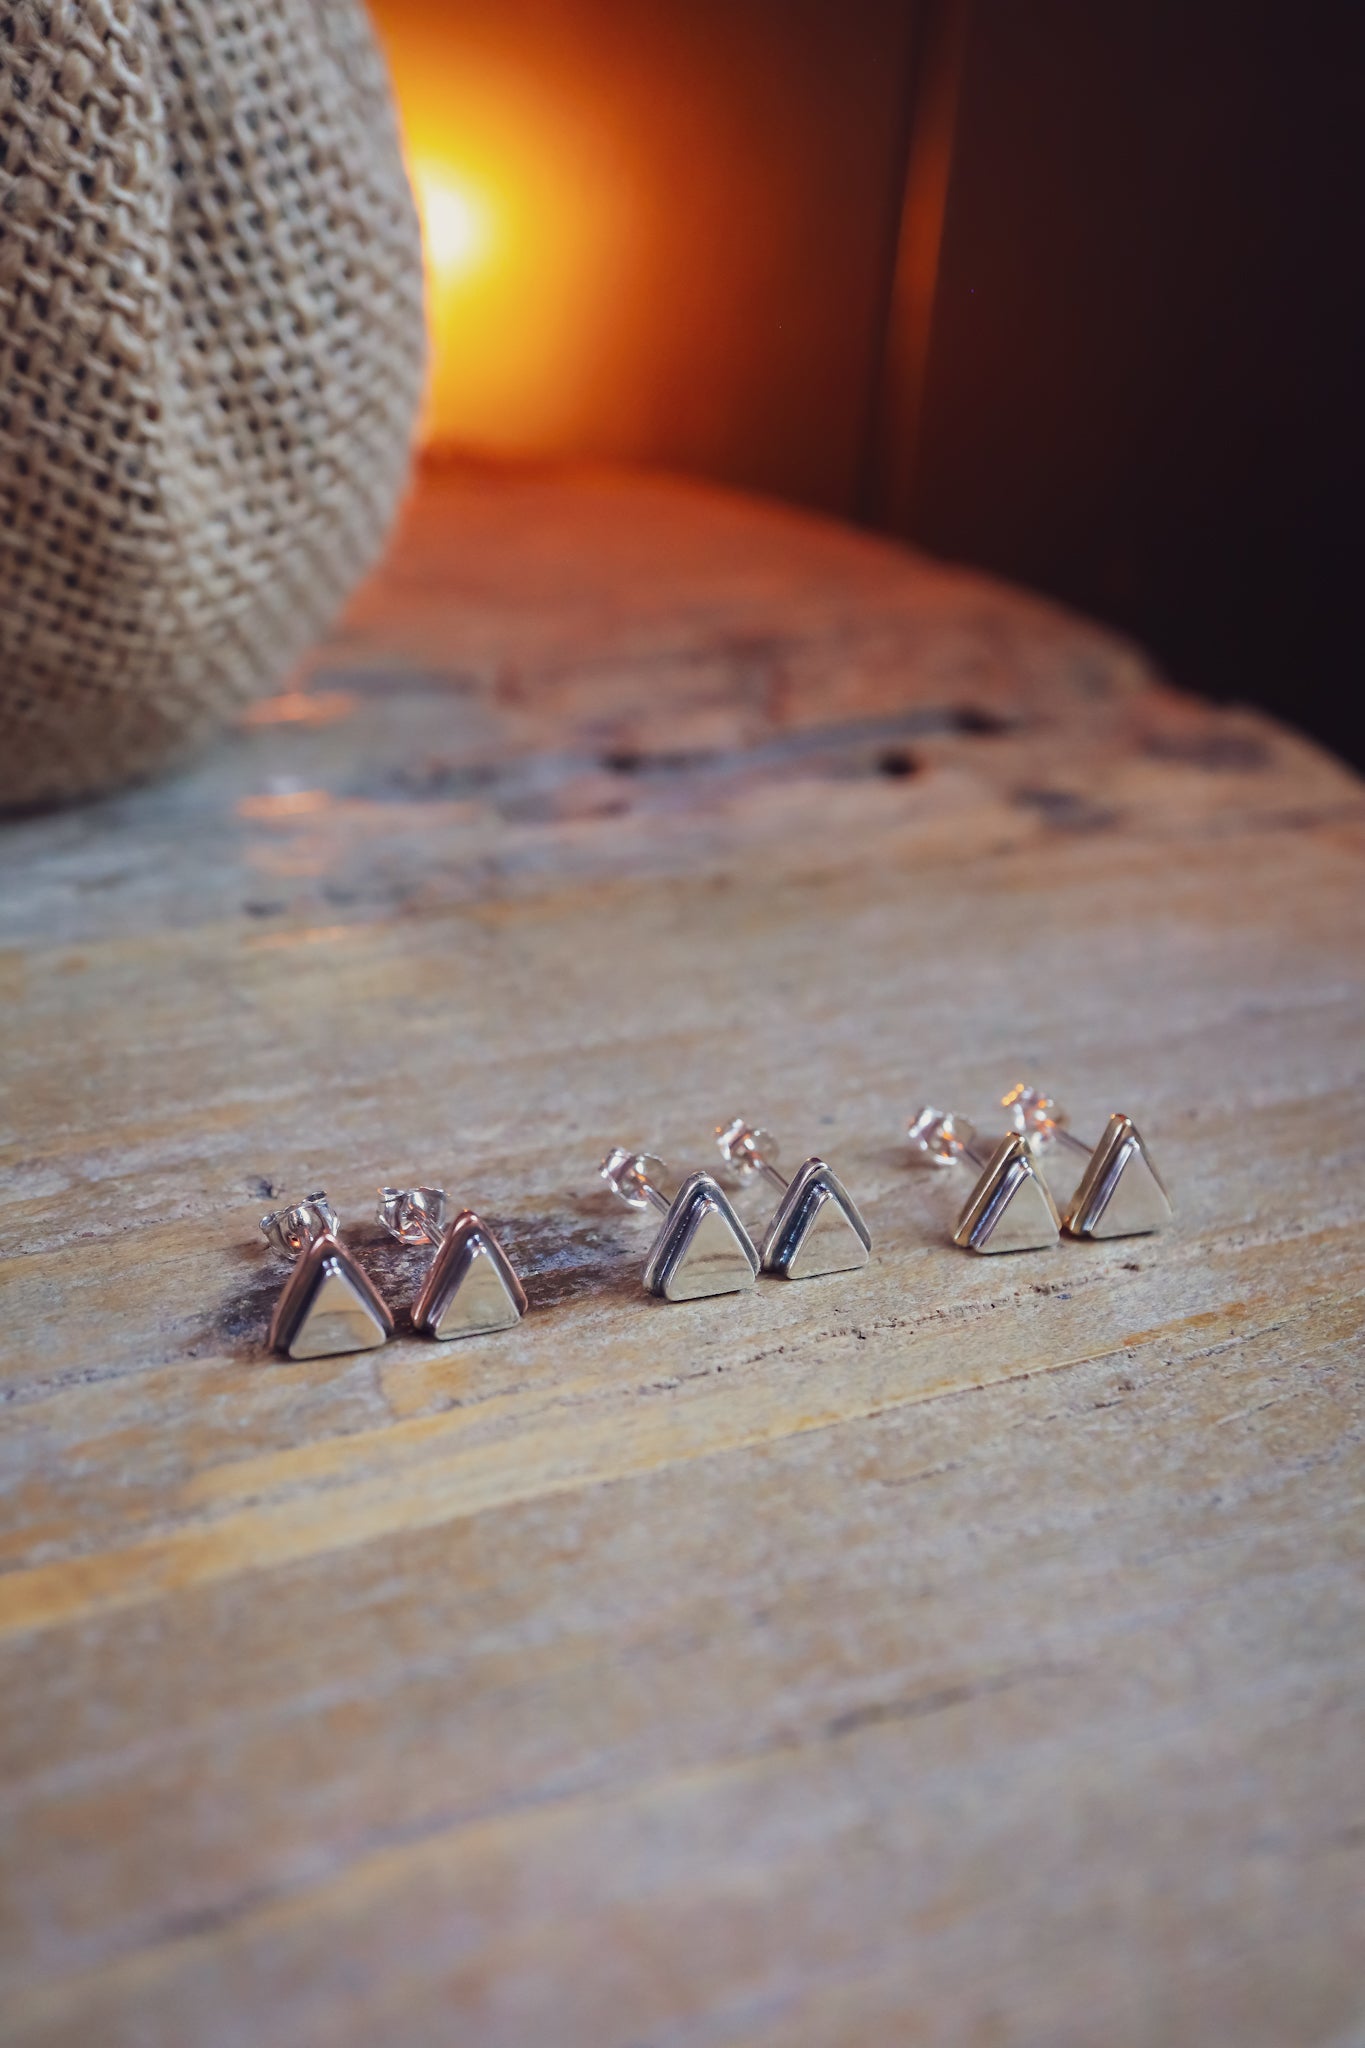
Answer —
(958, 1651)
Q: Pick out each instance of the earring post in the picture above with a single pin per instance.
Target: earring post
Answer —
(628, 1175)
(750, 1151)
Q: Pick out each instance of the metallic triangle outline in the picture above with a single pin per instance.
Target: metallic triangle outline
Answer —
(1009, 1168)
(300, 1291)
(699, 1194)
(464, 1239)
(1121, 1143)
(813, 1183)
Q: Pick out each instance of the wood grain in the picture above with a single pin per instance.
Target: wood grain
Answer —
(953, 1651)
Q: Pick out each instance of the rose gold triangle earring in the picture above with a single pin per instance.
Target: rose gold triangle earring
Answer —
(472, 1286)
(327, 1305)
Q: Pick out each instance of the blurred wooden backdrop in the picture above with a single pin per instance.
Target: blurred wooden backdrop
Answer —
(1071, 291)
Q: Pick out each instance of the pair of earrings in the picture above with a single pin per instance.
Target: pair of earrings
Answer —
(703, 1248)
(329, 1304)
(1011, 1208)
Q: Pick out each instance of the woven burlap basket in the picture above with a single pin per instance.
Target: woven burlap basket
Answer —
(211, 346)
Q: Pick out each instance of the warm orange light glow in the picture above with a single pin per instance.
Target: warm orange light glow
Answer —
(283, 803)
(300, 707)
(526, 226)
(456, 226)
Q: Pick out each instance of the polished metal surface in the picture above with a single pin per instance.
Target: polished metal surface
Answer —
(472, 1287)
(1010, 1209)
(703, 1247)
(328, 1305)
(291, 1231)
(1121, 1194)
(816, 1228)
(412, 1215)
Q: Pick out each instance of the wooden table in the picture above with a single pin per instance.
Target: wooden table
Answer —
(966, 1650)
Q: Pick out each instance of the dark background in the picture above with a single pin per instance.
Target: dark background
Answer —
(1143, 381)
(1070, 289)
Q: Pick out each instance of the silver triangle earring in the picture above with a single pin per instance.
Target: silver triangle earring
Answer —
(1120, 1192)
(472, 1287)
(328, 1304)
(816, 1228)
(702, 1247)
(1010, 1208)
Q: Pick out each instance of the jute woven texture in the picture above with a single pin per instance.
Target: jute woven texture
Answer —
(211, 347)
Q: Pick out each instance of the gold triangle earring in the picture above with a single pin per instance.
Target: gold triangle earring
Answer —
(816, 1228)
(327, 1305)
(1009, 1209)
(472, 1287)
(1120, 1193)
(702, 1247)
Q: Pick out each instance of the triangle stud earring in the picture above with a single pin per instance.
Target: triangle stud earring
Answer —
(1120, 1192)
(327, 1305)
(816, 1228)
(1010, 1208)
(702, 1247)
(472, 1287)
